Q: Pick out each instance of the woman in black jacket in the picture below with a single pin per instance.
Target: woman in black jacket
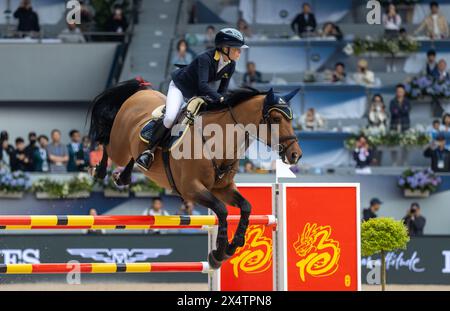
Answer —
(192, 80)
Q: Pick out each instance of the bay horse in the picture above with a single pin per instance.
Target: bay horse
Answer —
(119, 113)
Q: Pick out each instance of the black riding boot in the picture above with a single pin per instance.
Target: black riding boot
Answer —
(155, 131)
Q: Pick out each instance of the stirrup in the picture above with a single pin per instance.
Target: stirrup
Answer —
(150, 162)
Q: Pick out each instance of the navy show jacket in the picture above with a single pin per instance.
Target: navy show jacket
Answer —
(192, 80)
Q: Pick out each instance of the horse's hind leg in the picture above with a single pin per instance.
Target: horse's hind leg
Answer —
(231, 196)
(124, 178)
(207, 199)
(100, 171)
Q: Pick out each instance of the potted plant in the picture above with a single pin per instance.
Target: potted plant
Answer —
(13, 185)
(393, 47)
(145, 188)
(382, 235)
(418, 183)
(110, 190)
(79, 186)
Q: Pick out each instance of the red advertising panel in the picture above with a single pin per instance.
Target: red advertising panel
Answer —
(251, 268)
(322, 236)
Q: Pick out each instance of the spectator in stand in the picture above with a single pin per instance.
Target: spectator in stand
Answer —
(435, 24)
(6, 150)
(95, 156)
(251, 75)
(249, 167)
(362, 154)
(86, 142)
(40, 156)
(311, 121)
(339, 74)
(331, 30)
(391, 21)
(371, 211)
(430, 68)
(72, 34)
(441, 73)
(30, 149)
(76, 155)
(28, 19)
(182, 55)
(117, 23)
(445, 123)
(209, 37)
(187, 208)
(434, 129)
(304, 22)
(156, 209)
(377, 115)
(57, 153)
(244, 28)
(399, 109)
(364, 76)
(440, 156)
(19, 159)
(414, 221)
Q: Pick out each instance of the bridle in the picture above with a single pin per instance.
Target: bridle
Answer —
(286, 111)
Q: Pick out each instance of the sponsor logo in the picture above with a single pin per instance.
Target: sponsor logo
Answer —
(396, 262)
(14, 256)
(119, 255)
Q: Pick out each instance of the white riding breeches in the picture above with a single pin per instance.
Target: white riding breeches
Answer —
(174, 102)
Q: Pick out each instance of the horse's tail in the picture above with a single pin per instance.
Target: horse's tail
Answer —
(106, 105)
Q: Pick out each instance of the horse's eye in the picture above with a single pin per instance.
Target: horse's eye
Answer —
(277, 120)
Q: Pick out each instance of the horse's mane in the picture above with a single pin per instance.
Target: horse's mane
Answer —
(235, 97)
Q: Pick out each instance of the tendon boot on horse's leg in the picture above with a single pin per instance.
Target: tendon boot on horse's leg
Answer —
(153, 133)
(124, 178)
(207, 199)
(239, 235)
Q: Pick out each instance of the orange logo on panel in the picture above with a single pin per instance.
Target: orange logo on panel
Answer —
(318, 252)
(256, 255)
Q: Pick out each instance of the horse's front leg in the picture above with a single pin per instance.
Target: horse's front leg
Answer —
(203, 196)
(232, 196)
(123, 178)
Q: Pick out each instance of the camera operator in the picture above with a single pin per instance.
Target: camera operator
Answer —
(414, 221)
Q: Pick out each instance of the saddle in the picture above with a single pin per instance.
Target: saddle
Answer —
(185, 119)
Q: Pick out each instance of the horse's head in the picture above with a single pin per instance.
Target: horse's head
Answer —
(277, 111)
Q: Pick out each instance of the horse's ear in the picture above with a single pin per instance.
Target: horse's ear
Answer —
(270, 95)
(287, 98)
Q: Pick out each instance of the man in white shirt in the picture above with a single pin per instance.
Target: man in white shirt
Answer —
(156, 209)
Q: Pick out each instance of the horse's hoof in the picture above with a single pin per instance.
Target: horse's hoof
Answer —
(118, 181)
(213, 262)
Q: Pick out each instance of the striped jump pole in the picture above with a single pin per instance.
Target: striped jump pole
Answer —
(121, 222)
(90, 268)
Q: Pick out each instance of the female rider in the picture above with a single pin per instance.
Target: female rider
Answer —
(192, 80)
